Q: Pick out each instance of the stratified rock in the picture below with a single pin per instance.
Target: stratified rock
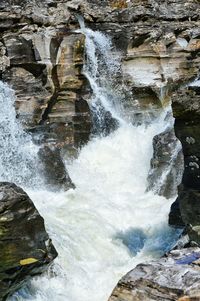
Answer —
(170, 278)
(158, 42)
(26, 249)
(166, 165)
(42, 59)
(42, 55)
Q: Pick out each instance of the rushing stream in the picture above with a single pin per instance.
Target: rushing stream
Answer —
(108, 224)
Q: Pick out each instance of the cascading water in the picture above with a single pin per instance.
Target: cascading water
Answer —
(18, 155)
(101, 70)
(108, 224)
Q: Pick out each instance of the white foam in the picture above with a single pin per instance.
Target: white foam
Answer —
(18, 155)
(86, 224)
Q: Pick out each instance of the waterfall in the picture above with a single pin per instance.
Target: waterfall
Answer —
(102, 68)
(109, 223)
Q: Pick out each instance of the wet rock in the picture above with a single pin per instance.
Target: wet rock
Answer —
(169, 278)
(158, 48)
(26, 249)
(186, 110)
(104, 123)
(158, 42)
(82, 122)
(166, 165)
(175, 216)
(42, 58)
(53, 169)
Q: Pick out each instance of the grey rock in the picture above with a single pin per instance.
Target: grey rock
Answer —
(166, 165)
(26, 249)
(186, 111)
(53, 169)
(169, 278)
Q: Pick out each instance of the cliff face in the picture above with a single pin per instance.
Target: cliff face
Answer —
(42, 58)
(186, 108)
(159, 41)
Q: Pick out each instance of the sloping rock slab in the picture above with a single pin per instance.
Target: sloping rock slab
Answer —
(25, 247)
(53, 169)
(170, 278)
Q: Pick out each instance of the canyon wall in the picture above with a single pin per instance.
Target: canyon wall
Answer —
(42, 57)
(42, 54)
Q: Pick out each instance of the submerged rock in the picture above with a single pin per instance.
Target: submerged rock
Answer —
(26, 249)
(175, 276)
(53, 169)
(106, 125)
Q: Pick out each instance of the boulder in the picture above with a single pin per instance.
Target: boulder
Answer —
(172, 277)
(53, 169)
(166, 165)
(26, 249)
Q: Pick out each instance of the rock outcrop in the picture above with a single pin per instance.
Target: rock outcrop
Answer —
(158, 41)
(166, 164)
(26, 248)
(42, 57)
(170, 278)
(186, 108)
(53, 169)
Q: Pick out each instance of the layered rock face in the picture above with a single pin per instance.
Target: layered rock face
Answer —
(158, 41)
(175, 277)
(26, 249)
(41, 59)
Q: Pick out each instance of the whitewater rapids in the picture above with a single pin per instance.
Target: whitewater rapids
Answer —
(108, 224)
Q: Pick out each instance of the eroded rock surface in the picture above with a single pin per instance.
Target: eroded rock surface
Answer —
(42, 56)
(26, 248)
(159, 41)
(170, 278)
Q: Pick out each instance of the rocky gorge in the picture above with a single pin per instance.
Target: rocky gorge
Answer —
(42, 56)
